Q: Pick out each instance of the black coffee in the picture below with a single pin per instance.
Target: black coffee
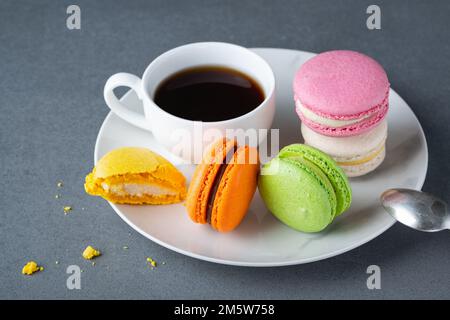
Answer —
(208, 94)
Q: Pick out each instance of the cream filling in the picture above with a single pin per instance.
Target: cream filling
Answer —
(361, 160)
(137, 190)
(325, 121)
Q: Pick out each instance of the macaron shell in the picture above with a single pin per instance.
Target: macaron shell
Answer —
(235, 190)
(130, 160)
(333, 172)
(341, 83)
(296, 196)
(203, 179)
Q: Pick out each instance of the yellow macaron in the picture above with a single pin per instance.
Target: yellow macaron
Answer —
(135, 175)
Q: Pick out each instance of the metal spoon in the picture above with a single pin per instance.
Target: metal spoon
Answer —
(419, 210)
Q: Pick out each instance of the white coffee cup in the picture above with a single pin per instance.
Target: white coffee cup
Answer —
(181, 136)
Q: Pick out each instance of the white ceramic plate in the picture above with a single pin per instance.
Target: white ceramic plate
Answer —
(261, 240)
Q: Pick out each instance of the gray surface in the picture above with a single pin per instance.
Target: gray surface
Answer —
(51, 82)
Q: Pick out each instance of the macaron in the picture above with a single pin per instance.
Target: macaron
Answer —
(304, 188)
(133, 175)
(341, 93)
(223, 185)
(356, 155)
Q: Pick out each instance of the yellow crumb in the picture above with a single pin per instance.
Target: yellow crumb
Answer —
(67, 209)
(90, 253)
(152, 262)
(31, 267)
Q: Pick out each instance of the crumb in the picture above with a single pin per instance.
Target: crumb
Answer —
(93, 263)
(57, 196)
(152, 262)
(31, 267)
(56, 262)
(83, 208)
(163, 262)
(125, 247)
(67, 209)
(90, 253)
(81, 270)
(59, 184)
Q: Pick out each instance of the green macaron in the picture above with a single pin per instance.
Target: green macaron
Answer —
(304, 188)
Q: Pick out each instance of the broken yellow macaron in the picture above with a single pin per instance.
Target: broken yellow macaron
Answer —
(133, 175)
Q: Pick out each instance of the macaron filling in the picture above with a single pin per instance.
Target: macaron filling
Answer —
(329, 122)
(362, 159)
(216, 182)
(342, 126)
(358, 169)
(137, 189)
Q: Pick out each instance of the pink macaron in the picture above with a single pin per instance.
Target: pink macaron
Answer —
(341, 93)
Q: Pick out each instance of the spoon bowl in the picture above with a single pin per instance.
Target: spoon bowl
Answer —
(419, 210)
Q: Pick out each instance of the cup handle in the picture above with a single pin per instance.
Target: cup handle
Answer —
(123, 79)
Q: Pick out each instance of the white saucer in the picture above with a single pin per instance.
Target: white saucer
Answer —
(261, 240)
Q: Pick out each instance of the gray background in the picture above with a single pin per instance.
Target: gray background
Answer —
(51, 82)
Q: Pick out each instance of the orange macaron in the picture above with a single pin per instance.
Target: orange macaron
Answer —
(223, 185)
